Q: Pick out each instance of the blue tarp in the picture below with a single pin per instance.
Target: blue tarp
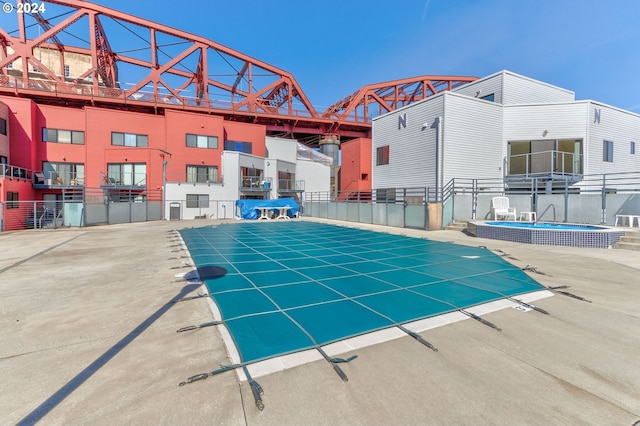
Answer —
(247, 209)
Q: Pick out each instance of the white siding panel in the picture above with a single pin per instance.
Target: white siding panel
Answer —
(316, 176)
(412, 149)
(283, 149)
(561, 121)
(620, 127)
(518, 89)
(484, 87)
(472, 143)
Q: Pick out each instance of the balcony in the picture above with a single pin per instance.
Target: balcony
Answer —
(46, 180)
(7, 171)
(124, 181)
(289, 186)
(255, 184)
(545, 166)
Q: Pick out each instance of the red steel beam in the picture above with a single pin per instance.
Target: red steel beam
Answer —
(391, 95)
(280, 103)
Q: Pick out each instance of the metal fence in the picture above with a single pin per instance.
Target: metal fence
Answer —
(200, 208)
(595, 199)
(94, 206)
(418, 208)
(16, 215)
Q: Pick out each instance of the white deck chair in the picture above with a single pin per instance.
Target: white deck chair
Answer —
(500, 207)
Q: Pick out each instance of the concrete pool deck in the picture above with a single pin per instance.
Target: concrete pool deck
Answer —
(89, 336)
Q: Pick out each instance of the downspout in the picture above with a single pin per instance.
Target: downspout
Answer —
(437, 125)
(439, 157)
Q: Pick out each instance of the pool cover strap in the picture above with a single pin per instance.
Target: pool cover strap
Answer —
(256, 389)
(482, 320)
(566, 293)
(341, 360)
(418, 337)
(203, 376)
(195, 327)
(527, 305)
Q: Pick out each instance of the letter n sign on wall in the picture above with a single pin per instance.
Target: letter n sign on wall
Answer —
(402, 121)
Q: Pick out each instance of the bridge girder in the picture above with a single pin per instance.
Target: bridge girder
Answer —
(179, 70)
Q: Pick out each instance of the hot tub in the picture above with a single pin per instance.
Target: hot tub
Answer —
(548, 233)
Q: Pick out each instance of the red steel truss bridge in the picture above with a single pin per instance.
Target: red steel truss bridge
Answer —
(79, 53)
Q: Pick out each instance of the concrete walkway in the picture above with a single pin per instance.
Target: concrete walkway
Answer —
(89, 337)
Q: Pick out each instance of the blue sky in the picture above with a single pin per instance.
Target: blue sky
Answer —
(334, 47)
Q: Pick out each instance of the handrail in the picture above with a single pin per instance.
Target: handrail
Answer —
(44, 213)
(547, 209)
(448, 190)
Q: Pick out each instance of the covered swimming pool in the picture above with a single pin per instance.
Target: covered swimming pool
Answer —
(288, 287)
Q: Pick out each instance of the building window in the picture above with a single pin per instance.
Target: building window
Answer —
(607, 152)
(63, 173)
(286, 181)
(632, 148)
(382, 155)
(386, 195)
(62, 136)
(208, 174)
(238, 146)
(12, 200)
(129, 174)
(67, 71)
(129, 139)
(490, 97)
(197, 201)
(200, 141)
(3, 126)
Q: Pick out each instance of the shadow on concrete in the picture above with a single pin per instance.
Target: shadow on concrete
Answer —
(206, 273)
(73, 384)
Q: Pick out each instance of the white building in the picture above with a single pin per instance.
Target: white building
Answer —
(503, 126)
(289, 170)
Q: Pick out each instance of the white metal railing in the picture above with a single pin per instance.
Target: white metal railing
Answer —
(544, 163)
(127, 179)
(7, 171)
(178, 177)
(255, 183)
(291, 185)
(54, 178)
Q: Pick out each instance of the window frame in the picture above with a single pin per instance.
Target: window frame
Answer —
(607, 151)
(3, 126)
(211, 141)
(13, 200)
(64, 172)
(123, 174)
(491, 97)
(141, 140)
(632, 148)
(201, 201)
(197, 172)
(382, 155)
(245, 147)
(75, 137)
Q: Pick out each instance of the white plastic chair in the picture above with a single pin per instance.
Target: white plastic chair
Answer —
(500, 207)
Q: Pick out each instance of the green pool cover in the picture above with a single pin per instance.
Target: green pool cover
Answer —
(295, 285)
